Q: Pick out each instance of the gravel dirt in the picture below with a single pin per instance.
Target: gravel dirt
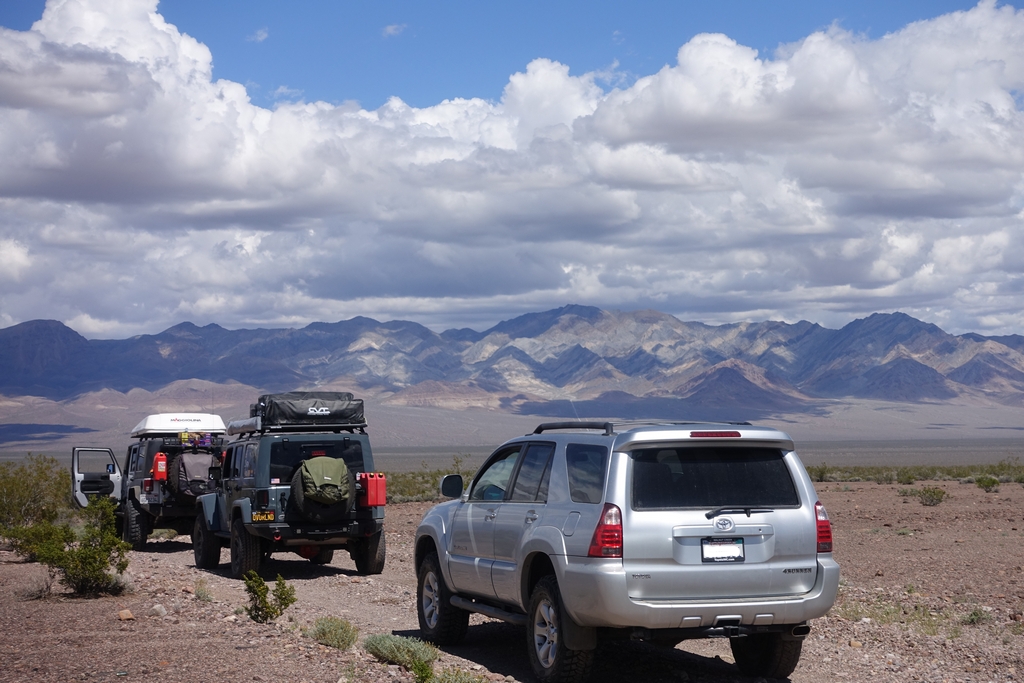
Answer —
(927, 593)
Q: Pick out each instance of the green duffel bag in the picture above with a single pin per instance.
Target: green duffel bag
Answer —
(325, 480)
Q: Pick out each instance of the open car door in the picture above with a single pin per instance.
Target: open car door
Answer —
(94, 472)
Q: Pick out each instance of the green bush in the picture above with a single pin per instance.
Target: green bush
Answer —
(975, 617)
(820, 473)
(453, 675)
(37, 489)
(988, 483)
(905, 476)
(415, 655)
(404, 487)
(333, 632)
(931, 495)
(260, 609)
(83, 561)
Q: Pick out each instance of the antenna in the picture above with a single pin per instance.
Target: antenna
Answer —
(574, 411)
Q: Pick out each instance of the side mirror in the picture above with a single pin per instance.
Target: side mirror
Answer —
(215, 475)
(451, 486)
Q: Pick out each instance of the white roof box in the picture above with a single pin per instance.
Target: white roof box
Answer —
(176, 423)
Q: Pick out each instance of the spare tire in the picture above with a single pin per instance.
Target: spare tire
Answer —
(318, 512)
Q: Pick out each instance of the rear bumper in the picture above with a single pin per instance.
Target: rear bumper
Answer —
(594, 593)
(332, 535)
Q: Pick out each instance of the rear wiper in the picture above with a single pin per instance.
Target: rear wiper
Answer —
(717, 511)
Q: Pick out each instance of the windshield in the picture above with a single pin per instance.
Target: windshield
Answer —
(711, 477)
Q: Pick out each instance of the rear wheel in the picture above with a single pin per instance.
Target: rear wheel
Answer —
(323, 556)
(205, 545)
(766, 654)
(136, 525)
(369, 554)
(440, 622)
(551, 660)
(246, 554)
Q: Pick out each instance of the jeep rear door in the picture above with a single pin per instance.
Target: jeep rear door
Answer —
(94, 472)
(758, 541)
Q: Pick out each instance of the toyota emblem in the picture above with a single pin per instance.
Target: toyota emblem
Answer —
(724, 524)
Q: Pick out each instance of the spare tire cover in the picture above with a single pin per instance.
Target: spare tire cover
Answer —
(318, 512)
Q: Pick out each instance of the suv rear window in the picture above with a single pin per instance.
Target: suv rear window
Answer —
(586, 465)
(711, 477)
(285, 456)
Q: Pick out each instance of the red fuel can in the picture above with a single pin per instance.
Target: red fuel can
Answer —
(374, 489)
(160, 467)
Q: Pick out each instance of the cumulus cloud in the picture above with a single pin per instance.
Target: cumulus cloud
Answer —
(835, 178)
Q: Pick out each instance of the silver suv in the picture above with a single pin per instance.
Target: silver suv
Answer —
(653, 531)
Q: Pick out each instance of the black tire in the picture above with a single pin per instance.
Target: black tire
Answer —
(440, 622)
(136, 525)
(205, 546)
(323, 556)
(318, 512)
(369, 554)
(551, 660)
(766, 654)
(246, 553)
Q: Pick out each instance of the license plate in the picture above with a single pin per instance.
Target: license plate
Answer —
(721, 549)
(263, 516)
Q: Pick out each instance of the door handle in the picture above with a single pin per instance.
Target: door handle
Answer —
(531, 517)
(491, 514)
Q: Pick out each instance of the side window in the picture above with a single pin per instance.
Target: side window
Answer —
(492, 482)
(534, 473)
(231, 462)
(249, 461)
(586, 465)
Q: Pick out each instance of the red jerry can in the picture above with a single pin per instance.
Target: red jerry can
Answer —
(374, 489)
(160, 467)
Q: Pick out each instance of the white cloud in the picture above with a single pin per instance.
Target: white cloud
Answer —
(838, 177)
(392, 30)
(258, 36)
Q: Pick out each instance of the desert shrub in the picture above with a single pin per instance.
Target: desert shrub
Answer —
(909, 493)
(82, 561)
(260, 609)
(404, 487)
(905, 476)
(201, 589)
(820, 472)
(885, 477)
(988, 483)
(415, 655)
(37, 489)
(453, 675)
(976, 616)
(931, 495)
(333, 632)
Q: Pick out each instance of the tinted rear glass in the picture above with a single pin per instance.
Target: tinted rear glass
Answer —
(285, 456)
(710, 477)
(586, 465)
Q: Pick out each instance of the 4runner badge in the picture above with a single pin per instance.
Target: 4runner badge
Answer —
(724, 524)
(319, 412)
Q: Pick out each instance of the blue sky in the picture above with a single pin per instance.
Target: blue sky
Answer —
(337, 51)
(273, 164)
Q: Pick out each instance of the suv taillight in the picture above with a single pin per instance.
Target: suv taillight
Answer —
(824, 529)
(607, 540)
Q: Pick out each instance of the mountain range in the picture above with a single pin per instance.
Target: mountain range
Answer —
(572, 360)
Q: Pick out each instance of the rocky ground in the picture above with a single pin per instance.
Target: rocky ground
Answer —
(928, 593)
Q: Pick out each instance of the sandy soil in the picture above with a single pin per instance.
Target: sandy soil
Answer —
(928, 593)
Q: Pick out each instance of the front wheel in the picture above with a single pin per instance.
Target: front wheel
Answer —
(205, 546)
(246, 554)
(766, 654)
(551, 660)
(441, 623)
(369, 554)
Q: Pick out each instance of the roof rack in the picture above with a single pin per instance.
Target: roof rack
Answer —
(608, 427)
(255, 424)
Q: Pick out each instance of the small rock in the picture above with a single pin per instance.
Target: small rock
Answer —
(865, 620)
(355, 579)
(157, 610)
(879, 573)
(856, 643)
(126, 615)
(230, 618)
